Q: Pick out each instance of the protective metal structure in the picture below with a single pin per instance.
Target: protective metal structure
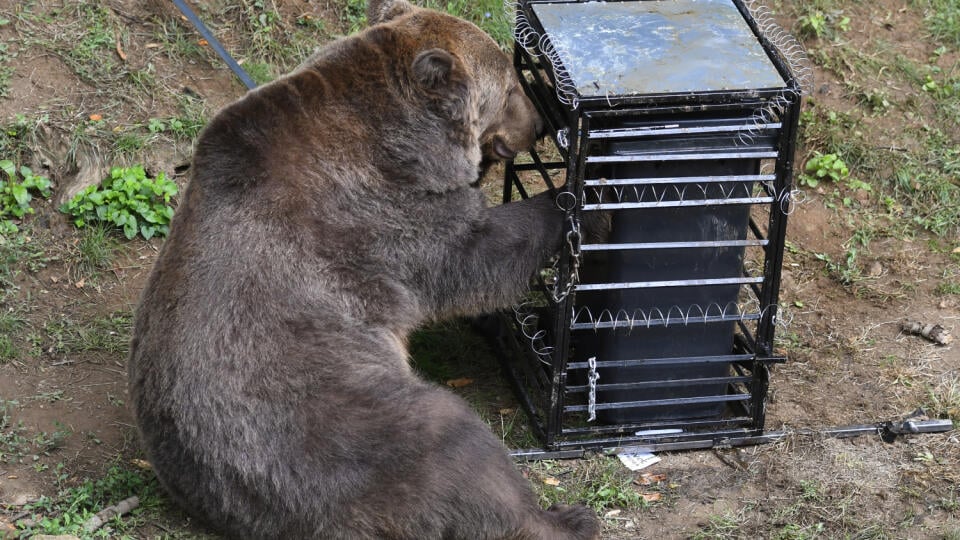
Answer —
(678, 118)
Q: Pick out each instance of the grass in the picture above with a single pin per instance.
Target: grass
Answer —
(95, 249)
(6, 72)
(16, 447)
(943, 399)
(105, 334)
(20, 252)
(10, 323)
(79, 499)
(490, 15)
(600, 482)
(721, 527)
(943, 20)
(84, 34)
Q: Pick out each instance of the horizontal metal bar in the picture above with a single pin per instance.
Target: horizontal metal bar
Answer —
(531, 454)
(533, 166)
(674, 129)
(699, 400)
(694, 156)
(600, 182)
(656, 323)
(669, 283)
(658, 384)
(695, 441)
(678, 360)
(677, 204)
(689, 426)
(674, 245)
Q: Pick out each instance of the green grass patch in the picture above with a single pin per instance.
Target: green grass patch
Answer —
(95, 250)
(943, 400)
(490, 15)
(67, 512)
(600, 482)
(109, 334)
(942, 18)
(726, 526)
(6, 70)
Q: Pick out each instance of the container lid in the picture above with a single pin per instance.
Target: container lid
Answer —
(656, 47)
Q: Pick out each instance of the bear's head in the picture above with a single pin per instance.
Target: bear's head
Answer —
(475, 78)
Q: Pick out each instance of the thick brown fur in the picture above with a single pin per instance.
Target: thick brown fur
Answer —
(329, 214)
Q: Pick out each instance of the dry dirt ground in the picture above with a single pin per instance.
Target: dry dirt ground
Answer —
(62, 385)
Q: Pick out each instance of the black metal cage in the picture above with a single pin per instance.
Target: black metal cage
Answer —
(679, 118)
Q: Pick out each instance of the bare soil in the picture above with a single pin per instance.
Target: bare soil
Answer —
(848, 361)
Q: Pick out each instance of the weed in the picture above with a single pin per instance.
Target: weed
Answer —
(94, 249)
(18, 252)
(12, 441)
(941, 87)
(6, 72)
(110, 334)
(128, 143)
(600, 483)
(878, 101)
(948, 287)
(128, 199)
(84, 35)
(15, 194)
(490, 15)
(8, 350)
(943, 20)
(847, 272)
(793, 531)
(824, 167)
(354, 15)
(724, 527)
(943, 400)
(19, 135)
(925, 186)
(10, 322)
(817, 23)
(184, 127)
(260, 72)
(15, 446)
(72, 507)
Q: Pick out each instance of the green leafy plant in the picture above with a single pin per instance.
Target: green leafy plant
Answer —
(816, 23)
(72, 507)
(128, 199)
(823, 167)
(15, 193)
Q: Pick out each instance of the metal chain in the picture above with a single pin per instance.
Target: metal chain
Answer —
(560, 292)
(592, 378)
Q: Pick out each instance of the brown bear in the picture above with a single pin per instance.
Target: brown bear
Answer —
(330, 213)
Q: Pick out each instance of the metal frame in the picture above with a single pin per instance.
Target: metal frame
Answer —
(540, 377)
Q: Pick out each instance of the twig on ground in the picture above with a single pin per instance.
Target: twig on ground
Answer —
(109, 512)
(933, 332)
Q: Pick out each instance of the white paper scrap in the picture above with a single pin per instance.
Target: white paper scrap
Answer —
(637, 460)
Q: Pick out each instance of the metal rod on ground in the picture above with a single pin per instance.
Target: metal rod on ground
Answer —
(888, 431)
(217, 47)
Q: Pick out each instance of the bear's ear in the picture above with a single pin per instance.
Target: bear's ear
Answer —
(379, 11)
(433, 68)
